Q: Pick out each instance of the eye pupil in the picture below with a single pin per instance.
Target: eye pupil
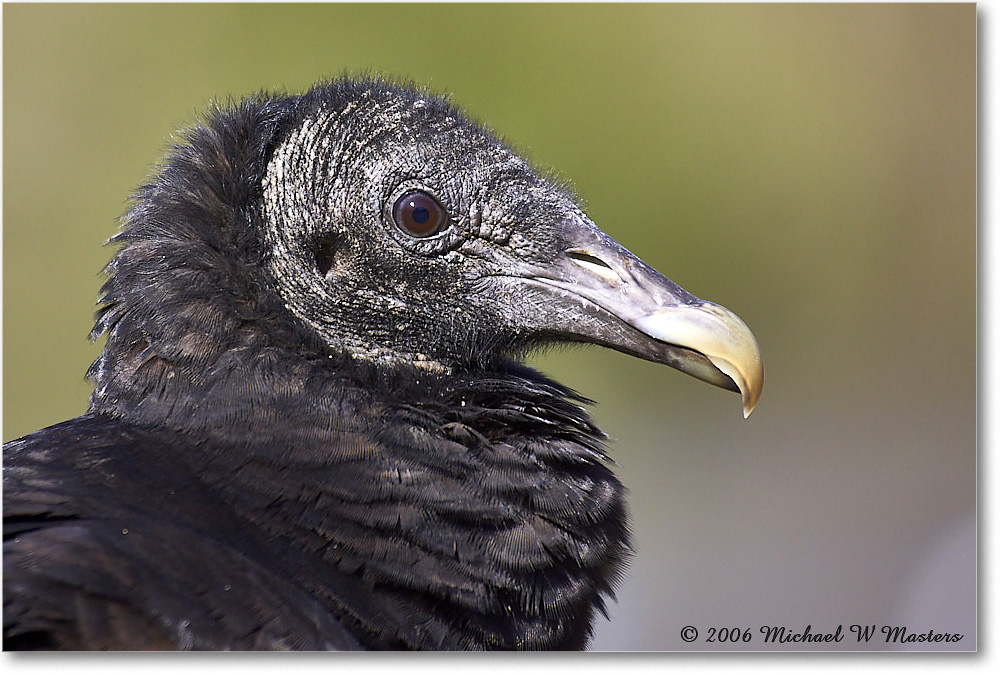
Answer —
(418, 214)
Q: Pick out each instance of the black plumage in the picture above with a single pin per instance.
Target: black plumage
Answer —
(310, 428)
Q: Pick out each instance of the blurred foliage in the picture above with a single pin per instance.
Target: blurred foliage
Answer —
(812, 167)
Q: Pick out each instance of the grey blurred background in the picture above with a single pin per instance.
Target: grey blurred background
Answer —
(811, 167)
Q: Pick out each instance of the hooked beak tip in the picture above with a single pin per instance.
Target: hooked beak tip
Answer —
(718, 335)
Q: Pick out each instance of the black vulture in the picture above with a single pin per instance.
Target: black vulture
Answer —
(311, 427)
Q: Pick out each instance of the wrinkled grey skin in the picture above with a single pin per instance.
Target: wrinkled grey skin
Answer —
(321, 188)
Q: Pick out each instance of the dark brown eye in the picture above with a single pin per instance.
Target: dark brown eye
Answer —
(418, 214)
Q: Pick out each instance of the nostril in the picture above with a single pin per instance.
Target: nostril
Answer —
(593, 264)
(580, 256)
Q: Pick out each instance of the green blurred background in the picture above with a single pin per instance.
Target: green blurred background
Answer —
(811, 167)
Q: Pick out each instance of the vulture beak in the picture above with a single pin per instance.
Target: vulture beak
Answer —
(607, 295)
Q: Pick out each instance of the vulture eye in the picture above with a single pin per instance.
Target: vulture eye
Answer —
(418, 214)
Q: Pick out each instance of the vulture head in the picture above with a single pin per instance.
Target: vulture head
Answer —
(395, 230)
